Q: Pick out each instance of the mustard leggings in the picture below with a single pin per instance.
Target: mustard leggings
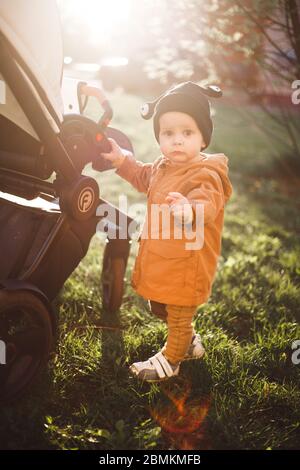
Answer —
(180, 328)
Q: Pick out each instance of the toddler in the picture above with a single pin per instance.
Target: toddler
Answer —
(191, 188)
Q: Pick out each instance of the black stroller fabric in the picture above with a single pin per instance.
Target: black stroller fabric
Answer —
(36, 250)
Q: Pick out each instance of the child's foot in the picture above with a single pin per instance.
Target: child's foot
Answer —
(196, 349)
(156, 369)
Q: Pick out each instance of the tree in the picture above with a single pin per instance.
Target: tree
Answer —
(253, 45)
(278, 58)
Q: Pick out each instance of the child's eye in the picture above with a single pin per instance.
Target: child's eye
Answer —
(188, 132)
(168, 133)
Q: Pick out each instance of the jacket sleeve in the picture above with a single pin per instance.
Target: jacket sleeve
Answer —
(136, 173)
(210, 194)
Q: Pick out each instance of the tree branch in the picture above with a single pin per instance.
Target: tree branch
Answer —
(263, 31)
(293, 11)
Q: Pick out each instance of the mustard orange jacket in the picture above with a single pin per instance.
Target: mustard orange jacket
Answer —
(165, 270)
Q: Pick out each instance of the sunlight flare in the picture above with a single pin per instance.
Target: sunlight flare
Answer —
(101, 18)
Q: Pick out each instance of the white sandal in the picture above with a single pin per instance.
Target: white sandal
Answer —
(156, 369)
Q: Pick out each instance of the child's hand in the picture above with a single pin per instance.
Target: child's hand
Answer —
(116, 155)
(180, 207)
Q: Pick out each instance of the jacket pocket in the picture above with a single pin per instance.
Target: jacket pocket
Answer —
(168, 264)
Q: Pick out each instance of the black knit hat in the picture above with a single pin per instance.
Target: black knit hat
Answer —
(189, 98)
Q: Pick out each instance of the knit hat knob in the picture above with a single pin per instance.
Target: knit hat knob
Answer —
(147, 110)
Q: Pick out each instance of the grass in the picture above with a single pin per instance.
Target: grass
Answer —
(245, 394)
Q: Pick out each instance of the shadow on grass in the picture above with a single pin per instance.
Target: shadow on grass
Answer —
(22, 423)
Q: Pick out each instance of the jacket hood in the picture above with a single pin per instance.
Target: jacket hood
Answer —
(219, 163)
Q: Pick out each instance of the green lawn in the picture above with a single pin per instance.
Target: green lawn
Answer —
(245, 394)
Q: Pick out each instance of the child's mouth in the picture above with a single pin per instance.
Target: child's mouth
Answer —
(177, 152)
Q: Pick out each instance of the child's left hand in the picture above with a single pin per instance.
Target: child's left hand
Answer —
(180, 207)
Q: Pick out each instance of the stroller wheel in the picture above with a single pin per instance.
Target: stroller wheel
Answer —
(26, 334)
(112, 279)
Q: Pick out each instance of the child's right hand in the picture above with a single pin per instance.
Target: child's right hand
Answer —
(117, 155)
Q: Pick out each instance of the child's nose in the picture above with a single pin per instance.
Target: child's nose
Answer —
(178, 139)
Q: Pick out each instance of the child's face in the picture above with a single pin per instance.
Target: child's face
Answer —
(180, 139)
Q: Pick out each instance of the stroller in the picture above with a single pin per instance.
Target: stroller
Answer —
(48, 208)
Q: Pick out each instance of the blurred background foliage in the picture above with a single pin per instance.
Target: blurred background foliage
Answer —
(251, 48)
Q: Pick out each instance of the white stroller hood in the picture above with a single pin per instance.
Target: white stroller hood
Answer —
(33, 28)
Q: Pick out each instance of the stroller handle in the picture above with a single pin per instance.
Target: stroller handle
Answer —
(87, 90)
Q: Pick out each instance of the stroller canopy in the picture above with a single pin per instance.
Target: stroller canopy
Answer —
(33, 29)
